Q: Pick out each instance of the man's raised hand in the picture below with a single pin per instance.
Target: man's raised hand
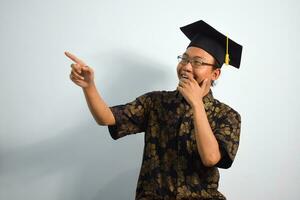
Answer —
(81, 74)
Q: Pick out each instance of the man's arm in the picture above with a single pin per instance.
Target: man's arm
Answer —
(100, 111)
(207, 143)
(83, 76)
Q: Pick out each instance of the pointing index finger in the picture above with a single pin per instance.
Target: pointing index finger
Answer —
(74, 58)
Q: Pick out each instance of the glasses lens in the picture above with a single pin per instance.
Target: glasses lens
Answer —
(182, 59)
(197, 62)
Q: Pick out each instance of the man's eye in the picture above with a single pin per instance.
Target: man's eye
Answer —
(197, 63)
(184, 59)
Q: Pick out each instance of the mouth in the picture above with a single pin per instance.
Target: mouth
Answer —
(183, 76)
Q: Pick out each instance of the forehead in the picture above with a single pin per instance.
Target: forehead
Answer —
(198, 52)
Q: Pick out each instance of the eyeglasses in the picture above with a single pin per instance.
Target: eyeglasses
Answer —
(195, 62)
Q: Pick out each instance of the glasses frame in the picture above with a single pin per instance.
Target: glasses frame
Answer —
(185, 60)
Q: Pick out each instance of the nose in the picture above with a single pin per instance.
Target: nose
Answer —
(188, 67)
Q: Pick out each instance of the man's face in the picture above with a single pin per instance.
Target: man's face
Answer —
(201, 73)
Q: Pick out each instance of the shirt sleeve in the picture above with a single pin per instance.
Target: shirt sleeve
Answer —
(131, 117)
(228, 135)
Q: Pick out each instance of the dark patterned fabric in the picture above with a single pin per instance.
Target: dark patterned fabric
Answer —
(171, 166)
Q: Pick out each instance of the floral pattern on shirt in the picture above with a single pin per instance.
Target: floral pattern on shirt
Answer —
(171, 166)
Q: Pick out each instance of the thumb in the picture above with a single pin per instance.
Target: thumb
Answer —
(204, 83)
(86, 68)
(207, 84)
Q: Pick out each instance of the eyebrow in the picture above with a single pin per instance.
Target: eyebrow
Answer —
(185, 54)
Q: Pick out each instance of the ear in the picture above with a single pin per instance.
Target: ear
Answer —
(216, 73)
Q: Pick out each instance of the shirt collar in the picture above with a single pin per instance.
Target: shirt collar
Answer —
(208, 101)
(208, 97)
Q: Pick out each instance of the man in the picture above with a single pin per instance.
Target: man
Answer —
(188, 133)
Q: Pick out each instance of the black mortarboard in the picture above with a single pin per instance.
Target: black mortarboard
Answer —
(204, 36)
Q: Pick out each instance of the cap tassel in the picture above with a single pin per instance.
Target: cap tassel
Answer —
(227, 59)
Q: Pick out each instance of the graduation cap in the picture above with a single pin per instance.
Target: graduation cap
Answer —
(222, 48)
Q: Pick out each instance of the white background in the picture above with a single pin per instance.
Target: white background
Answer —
(50, 146)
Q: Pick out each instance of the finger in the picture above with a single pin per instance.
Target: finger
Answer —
(206, 84)
(75, 72)
(86, 69)
(179, 88)
(184, 80)
(190, 76)
(74, 58)
(71, 77)
(76, 67)
(74, 79)
(203, 83)
(77, 75)
(182, 83)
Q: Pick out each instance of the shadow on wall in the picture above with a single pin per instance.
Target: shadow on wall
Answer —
(130, 72)
(83, 156)
(121, 187)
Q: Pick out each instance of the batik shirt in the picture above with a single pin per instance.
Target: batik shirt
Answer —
(171, 166)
